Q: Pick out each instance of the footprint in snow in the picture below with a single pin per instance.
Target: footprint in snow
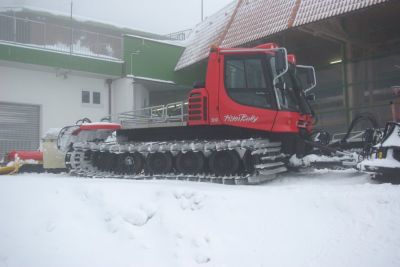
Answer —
(136, 217)
(190, 200)
(50, 226)
(202, 258)
(198, 248)
(202, 245)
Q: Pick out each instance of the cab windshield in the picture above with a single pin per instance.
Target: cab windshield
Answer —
(249, 80)
(290, 90)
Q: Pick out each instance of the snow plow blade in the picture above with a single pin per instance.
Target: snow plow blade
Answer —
(14, 168)
(266, 175)
(384, 174)
(383, 162)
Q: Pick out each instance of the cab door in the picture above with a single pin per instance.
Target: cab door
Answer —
(246, 94)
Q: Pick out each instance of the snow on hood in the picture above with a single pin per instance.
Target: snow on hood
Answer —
(52, 133)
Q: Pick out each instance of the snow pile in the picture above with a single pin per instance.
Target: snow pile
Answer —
(52, 133)
(19, 161)
(313, 158)
(321, 218)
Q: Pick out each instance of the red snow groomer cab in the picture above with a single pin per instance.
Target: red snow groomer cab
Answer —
(253, 88)
(243, 122)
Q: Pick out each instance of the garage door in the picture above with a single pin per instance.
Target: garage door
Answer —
(19, 127)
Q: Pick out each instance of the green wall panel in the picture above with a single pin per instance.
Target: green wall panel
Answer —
(59, 60)
(189, 75)
(153, 59)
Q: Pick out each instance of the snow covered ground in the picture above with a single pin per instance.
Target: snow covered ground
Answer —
(320, 218)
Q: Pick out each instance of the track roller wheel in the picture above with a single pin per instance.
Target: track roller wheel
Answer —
(109, 161)
(159, 163)
(225, 162)
(87, 155)
(68, 159)
(130, 163)
(249, 161)
(190, 162)
(100, 160)
(96, 157)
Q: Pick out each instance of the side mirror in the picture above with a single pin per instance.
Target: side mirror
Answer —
(280, 61)
(307, 76)
(310, 77)
(310, 97)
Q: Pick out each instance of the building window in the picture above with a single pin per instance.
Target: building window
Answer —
(85, 97)
(96, 97)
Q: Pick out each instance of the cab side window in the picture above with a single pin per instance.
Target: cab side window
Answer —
(246, 82)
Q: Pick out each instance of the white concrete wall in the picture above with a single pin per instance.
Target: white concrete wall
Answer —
(122, 95)
(128, 96)
(59, 98)
(140, 96)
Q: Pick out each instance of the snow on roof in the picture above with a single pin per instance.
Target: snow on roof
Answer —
(168, 42)
(149, 79)
(83, 19)
(41, 48)
(244, 21)
(204, 35)
(256, 19)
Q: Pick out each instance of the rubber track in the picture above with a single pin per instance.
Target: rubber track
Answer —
(271, 160)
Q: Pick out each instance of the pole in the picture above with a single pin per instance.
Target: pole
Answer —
(72, 31)
(202, 10)
(14, 27)
(109, 83)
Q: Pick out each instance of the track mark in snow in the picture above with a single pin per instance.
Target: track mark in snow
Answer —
(190, 200)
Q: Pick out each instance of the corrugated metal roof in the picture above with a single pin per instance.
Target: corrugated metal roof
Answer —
(204, 35)
(255, 19)
(314, 10)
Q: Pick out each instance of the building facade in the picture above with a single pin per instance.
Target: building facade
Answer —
(49, 82)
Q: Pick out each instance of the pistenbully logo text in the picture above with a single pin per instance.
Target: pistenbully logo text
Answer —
(241, 118)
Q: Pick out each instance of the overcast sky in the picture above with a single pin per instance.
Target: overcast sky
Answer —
(157, 16)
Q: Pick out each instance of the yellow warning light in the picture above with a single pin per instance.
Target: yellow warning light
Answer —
(213, 48)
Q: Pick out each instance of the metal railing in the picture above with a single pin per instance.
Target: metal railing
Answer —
(59, 38)
(179, 36)
(170, 113)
